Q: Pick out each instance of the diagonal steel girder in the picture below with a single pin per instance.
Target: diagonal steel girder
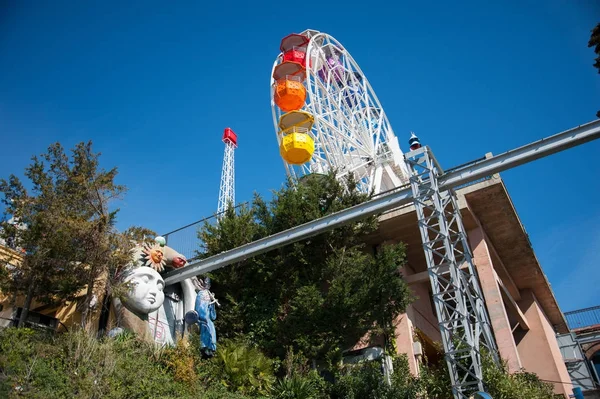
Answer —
(401, 196)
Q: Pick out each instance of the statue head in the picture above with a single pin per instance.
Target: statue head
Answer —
(145, 294)
(146, 290)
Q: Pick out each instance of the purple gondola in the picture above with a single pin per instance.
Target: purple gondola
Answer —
(332, 68)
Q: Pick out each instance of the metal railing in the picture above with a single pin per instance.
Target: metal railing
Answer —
(185, 239)
(13, 322)
(583, 317)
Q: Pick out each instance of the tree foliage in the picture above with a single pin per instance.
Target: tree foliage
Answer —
(595, 43)
(318, 296)
(245, 369)
(69, 231)
(77, 365)
(502, 385)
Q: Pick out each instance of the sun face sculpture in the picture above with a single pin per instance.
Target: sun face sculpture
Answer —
(153, 256)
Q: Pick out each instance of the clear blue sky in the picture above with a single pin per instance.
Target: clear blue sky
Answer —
(154, 83)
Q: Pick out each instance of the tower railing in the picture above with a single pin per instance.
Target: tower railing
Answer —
(583, 318)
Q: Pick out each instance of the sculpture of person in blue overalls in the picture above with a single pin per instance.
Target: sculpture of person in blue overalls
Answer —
(204, 314)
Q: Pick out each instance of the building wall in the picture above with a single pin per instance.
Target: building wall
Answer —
(493, 296)
(68, 315)
(523, 311)
(539, 348)
(7, 257)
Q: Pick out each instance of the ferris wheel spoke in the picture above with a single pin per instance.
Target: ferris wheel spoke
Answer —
(350, 132)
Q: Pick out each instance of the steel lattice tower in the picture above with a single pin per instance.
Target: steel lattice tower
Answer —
(227, 188)
(462, 317)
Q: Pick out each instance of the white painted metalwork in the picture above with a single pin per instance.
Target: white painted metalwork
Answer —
(459, 303)
(227, 187)
(351, 130)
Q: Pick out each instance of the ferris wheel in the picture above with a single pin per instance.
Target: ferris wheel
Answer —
(327, 116)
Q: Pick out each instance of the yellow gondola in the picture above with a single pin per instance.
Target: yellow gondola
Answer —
(297, 146)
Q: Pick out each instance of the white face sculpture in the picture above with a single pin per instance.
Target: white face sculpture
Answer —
(146, 293)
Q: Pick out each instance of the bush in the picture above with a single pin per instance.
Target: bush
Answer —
(245, 369)
(435, 380)
(365, 380)
(37, 365)
(181, 361)
(502, 385)
(317, 295)
(75, 364)
(294, 387)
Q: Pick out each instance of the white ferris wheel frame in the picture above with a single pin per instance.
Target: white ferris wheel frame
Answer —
(351, 131)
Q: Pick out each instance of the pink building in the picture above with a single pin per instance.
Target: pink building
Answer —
(523, 311)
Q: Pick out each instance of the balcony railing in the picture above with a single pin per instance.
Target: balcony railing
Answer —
(583, 317)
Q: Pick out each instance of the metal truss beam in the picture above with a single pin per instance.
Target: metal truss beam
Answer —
(402, 196)
(462, 317)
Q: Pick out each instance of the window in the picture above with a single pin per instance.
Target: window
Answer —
(596, 362)
(431, 301)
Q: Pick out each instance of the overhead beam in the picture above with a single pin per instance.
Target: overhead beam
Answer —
(422, 277)
(527, 153)
(522, 155)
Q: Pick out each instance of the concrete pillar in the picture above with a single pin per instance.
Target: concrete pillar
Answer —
(404, 342)
(493, 300)
(538, 347)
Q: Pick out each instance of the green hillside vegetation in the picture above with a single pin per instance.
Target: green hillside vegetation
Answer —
(286, 317)
(77, 365)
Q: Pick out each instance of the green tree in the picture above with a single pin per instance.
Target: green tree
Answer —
(595, 43)
(318, 296)
(121, 245)
(69, 225)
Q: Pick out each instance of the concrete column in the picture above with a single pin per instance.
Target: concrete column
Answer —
(493, 300)
(404, 342)
(538, 347)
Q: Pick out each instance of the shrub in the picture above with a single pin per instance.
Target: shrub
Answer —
(498, 382)
(37, 365)
(502, 385)
(75, 364)
(365, 380)
(181, 361)
(246, 369)
(294, 387)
